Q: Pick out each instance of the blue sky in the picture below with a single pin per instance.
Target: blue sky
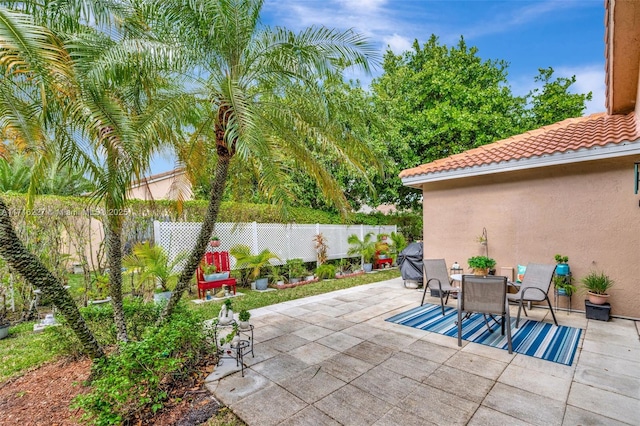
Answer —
(566, 35)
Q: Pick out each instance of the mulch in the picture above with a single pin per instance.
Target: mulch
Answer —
(41, 397)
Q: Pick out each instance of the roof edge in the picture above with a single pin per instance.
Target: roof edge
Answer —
(612, 150)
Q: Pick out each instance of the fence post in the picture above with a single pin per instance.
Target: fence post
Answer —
(156, 232)
(254, 231)
(317, 232)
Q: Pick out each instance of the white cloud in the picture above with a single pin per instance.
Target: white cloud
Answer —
(359, 5)
(398, 43)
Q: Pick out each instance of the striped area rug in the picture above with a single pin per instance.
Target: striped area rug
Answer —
(533, 338)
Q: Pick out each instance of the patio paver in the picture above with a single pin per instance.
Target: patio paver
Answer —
(332, 359)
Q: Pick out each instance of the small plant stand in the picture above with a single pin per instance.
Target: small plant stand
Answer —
(235, 351)
(557, 295)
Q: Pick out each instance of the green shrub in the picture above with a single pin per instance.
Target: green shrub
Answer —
(139, 317)
(325, 271)
(137, 379)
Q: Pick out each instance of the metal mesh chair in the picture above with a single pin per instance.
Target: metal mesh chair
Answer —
(534, 288)
(437, 278)
(487, 296)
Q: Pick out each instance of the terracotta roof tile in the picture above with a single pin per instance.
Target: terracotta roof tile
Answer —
(572, 134)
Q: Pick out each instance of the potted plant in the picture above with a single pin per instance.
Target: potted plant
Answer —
(255, 262)
(399, 242)
(596, 284)
(295, 268)
(152, 263)
(276, 275)
(225, 316)
(365, 248)
(562, 268)
(481, 264)
(4, 323)
(325, 271)
(243, 319)
(320, 244)
(211, 273)
(308, 275)
(344, 266)
(214, 241)
(564, 285)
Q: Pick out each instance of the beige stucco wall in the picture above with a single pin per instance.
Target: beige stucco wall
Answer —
(587, 211)
(162, 189)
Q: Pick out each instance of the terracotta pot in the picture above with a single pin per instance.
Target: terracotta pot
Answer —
(598, 299)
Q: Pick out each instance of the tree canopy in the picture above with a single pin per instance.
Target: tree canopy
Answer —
(438, 101)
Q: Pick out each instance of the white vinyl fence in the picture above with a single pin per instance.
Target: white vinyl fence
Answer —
(287, 241)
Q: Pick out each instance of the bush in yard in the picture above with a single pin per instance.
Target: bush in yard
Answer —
(137, 380)
(139, 317)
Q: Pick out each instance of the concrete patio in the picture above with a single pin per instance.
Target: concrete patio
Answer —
(332, 359)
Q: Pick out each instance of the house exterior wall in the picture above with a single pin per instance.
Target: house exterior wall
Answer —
(160, 189)
(586, 211)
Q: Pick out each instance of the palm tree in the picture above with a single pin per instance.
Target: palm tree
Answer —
(153, 262)
(366, 247)
(31, 59)
(265, 103)
(111, 112)
(254, 262)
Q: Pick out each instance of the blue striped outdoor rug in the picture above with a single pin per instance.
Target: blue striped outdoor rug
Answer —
(533, 338)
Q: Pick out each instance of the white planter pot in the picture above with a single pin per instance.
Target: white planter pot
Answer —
(216, 276)
(262, 283)
(225, 316)
(4, 331)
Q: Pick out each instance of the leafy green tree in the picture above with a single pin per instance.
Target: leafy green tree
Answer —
(553, 102)
(438, 101)
(265, 107)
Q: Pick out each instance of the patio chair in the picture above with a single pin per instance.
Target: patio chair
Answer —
(534, 288)
(221, 260)
(437, 278)
(486, 296)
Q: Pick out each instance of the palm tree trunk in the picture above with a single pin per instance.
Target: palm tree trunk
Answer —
(29, 266)
(217, 190)
(114, 259)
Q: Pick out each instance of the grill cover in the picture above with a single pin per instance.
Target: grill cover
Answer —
(410, 262)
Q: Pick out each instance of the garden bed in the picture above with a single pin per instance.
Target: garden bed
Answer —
(352, 274)
(299, 283)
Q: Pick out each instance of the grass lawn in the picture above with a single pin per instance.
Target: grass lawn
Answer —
(23, 349)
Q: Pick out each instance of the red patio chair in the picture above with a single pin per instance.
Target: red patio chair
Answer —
(221, 260)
